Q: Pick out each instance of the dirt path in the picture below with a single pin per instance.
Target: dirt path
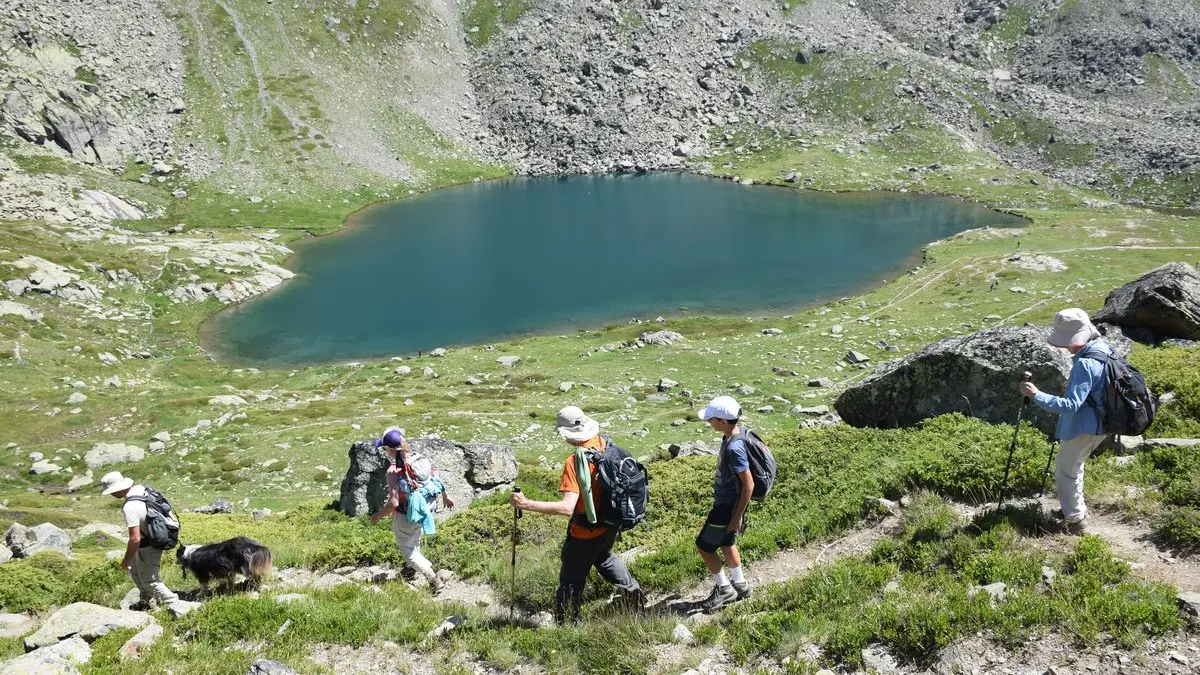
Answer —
(1132, 541)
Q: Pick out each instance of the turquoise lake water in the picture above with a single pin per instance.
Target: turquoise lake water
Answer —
(498, 259)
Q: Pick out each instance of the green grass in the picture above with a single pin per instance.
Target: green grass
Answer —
(1176, 371)
(917, 594)
(825, 475)
(45, 164)
(490, 17)
(48, 579)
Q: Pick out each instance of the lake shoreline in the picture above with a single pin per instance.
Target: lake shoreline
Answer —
(209, 328)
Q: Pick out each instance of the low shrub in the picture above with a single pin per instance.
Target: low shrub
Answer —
(48, 579)
(922, 591)
(1175, 370)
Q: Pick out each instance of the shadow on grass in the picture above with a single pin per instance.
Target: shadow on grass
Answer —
(1028, 519)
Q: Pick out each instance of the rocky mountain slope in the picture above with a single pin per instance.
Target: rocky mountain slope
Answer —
(313, 102)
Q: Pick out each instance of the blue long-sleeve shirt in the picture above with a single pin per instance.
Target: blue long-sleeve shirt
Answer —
(1079, 407)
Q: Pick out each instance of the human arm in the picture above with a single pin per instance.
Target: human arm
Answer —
(562, 507)
(739, 509)
(393, 502)
(1085, 376)
(135, 540)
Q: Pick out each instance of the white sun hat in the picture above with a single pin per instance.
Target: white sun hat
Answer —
(113, 482)
(574, 425)
(722, 407)
(1072, 327)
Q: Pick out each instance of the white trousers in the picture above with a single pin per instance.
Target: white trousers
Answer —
(144, 572)
(1068, 474)
(408, 540)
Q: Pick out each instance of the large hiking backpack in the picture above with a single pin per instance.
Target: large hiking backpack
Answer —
(624, 487)
(1129, 405)
(762, 464)
(161, 531)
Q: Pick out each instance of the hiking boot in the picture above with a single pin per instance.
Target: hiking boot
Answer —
(742, 589)
(436, 584)
(1078, 527)
(720, 596)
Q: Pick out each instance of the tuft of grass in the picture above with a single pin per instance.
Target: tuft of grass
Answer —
(48, 579)
(1174, 370)
(490, 17)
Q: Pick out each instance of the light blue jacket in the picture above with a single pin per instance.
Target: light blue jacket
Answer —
(1079, 407)
(420, 507)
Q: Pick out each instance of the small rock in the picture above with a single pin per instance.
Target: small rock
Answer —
(162, 437)
(439, 352)
(813, 410)
(179, 608)
(856, 357)
(681, 635)
(403, 370)
(772, 331)
(665, 383)
(1048, 575)
(43, 467)
(218, 505)
(765, 409)
(823, 382)
(76, 398)
(267, 667)
(143, 641)
(565, 387)
(508, 361)
(446, 626)
(744, 389)
(1177, 658)
(473, 381)
(227, 400)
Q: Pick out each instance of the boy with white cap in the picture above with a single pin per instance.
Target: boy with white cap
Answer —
(413, 487)
(1080, 409)
(733, 486)
(142, 562)
(587, 545)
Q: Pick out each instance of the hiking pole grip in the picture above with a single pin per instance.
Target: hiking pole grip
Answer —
(519, 512)
(1026, 377)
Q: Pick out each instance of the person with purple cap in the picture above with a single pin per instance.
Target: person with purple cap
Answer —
(413, 487)
(1079, 409)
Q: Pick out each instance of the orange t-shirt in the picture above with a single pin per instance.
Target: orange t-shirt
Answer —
(570, 483)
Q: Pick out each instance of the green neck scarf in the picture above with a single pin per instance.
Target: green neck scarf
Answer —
(583, 472)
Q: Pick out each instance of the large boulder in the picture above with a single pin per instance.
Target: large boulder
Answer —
(85, 620)
(57, 659)
(103, 454)
(974, 374)
(1161, 304)
(464, 468)
(26, 541)
(490, 464)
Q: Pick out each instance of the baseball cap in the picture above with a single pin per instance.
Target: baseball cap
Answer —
(392, 438)
(722, 407)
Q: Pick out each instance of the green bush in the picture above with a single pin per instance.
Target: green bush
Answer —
(824, 477)
(48, 579)
(1175, 370)
(918, 603)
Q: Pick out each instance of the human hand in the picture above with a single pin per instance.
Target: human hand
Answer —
(519, 500)
(449, 503)
(1028, 389)
(735, 525)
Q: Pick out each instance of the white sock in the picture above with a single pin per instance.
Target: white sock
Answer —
(735, 573)
(719, 578)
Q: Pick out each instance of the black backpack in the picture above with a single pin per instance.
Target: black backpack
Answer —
(624, 487)
(1129, 405)
(159, 532)
(762, 464)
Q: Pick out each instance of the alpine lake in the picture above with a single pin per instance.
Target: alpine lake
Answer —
(499, 259)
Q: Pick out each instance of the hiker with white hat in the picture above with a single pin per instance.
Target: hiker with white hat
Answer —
(587, 545)
(143, 553)
(1080, 409)
(733, 486)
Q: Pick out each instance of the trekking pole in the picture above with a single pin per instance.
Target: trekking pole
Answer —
(512, 606)
(1012, 447)
(1046, 473)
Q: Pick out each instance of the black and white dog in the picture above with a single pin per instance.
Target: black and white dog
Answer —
(225, 560)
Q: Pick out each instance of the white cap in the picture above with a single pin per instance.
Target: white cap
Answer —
(722, 407)
(575, 426)
(1072, 327)
(113, 481)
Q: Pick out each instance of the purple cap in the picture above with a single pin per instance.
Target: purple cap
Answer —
(392, 439)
